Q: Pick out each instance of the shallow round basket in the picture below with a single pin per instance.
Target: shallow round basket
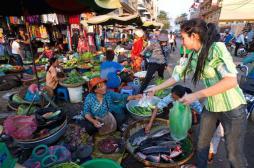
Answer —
(49, 139)
(67, 70)
(133, 128)
(72, 85)
(134, 103)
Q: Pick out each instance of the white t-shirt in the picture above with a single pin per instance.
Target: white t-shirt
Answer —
(15, 47)
(171, 38)
(240, 39)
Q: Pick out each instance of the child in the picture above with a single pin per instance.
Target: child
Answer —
(47, 52)
(177, 92)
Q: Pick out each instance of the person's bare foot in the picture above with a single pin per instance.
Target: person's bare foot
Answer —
(210, 158)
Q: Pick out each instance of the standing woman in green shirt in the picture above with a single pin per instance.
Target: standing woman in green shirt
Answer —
(211, 63)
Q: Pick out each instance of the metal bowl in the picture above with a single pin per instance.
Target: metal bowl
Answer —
(133, 128)
(51, 138)
(134, 103)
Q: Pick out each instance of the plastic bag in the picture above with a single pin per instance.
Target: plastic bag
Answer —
(20, 127)
(180, 119)
(145, 101)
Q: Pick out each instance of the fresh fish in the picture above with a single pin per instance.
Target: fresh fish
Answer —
(169, 144)
(141, 155)
(137, 137)
(160, 133)
(148, 141)
(154, 158)
(140, 136)
(151, 158)
(155, 149)
(174, 153)
(137, 141)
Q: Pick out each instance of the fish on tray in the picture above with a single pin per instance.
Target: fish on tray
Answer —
(167, 144)
(174, 153)
(137, 138)
(160, 154)
(151, 158)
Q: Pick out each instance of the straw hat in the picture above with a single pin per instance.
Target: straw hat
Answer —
(109, 4)
(139, 33)
(95, 81)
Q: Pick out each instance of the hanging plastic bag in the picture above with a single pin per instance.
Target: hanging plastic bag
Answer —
(180, 119)
(145, 101)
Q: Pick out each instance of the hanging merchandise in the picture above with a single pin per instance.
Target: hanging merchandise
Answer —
(33, 19)
(43, 32)
(74, 19)
(69, 38)
(50, 18)
(91, 42)
(61, 19)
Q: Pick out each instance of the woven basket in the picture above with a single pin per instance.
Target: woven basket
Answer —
(67, 165)
(141, 124)
(71, 85)
(22, 94)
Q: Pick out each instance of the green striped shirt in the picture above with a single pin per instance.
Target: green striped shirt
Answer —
(219, 64)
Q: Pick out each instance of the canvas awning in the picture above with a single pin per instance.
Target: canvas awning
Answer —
(152, 24)
(37, 7)
(115, 19)
(237, 10)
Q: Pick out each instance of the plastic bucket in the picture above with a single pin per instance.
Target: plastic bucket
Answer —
(101, 163)
(75, 94)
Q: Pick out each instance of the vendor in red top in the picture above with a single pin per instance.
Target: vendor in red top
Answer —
(47, 52)
(137, 48)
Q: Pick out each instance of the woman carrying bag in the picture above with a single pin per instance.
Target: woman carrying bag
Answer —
(158, 60)
(212, 63)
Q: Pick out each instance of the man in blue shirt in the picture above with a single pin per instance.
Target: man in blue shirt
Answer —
(110, 70)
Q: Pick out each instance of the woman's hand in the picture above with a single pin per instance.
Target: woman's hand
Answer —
(150, 91)
(97, 124)
(189, 98)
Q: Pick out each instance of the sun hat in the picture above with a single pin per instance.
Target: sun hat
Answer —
(94, 82)
(108, 4)
(139, 33)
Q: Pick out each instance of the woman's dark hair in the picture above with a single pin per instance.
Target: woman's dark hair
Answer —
(110, 55)
(208, 34)
(180, 90)
(51, 61)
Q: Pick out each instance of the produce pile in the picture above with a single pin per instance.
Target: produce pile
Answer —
(43, 60)
(73, 78)
(10, 68)
(71, 63)
(142, 111)
(74, 137)
(158, 146)
(91, 75)
(87, 56)
(85, 66)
